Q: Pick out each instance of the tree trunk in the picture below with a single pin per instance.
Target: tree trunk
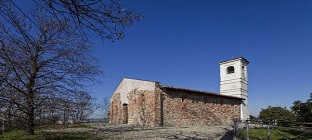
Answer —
(30, 115)
(30, 129)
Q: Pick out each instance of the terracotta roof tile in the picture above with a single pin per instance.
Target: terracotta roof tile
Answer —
(199, 91)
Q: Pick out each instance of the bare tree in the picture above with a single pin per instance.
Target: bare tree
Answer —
(44, 52)
(106, 18)
(84, 106)
(42, 61)
(105, 105)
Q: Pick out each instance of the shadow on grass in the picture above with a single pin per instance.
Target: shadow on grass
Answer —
(297, 133)
(69, 136)
(40, 135)
(277, 133)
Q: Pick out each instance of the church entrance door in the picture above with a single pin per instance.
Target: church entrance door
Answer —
(125, 113)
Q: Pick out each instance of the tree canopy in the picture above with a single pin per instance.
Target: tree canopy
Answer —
(279, 114)
(303, 110)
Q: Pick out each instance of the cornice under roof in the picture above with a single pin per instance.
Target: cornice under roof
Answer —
(199, 91)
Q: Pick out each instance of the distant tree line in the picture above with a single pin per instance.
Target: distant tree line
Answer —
(53, 111)
(299, 113)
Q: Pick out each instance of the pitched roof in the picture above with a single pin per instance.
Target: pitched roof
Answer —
(140, 79)
(234, 60)
(199, 92)
(189, 90)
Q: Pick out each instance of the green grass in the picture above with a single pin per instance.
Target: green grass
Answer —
(276, 133)
(40, 135)
(55, 126)
(70, 136)
(79, 126)
(19, 134)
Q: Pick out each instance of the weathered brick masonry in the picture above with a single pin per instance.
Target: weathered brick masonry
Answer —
(169, 106)
(116, 110)
(143, 107)
(183, 107)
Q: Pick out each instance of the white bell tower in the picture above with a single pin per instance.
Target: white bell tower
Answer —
(234, 82)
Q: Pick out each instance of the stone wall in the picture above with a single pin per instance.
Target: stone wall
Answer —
(127, 85)
(183, 108)
(172, 107)
(116, 113)
(143, 107)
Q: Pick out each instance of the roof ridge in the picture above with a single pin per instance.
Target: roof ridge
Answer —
(140, 79)
(189, 89)
(200, 91)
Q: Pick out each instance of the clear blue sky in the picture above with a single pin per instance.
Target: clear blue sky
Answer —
(180, 43)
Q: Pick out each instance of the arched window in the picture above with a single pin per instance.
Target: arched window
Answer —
(230, 70)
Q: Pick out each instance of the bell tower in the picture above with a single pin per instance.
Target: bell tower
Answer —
(234, 82)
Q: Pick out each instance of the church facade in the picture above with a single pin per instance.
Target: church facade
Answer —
(142, 102)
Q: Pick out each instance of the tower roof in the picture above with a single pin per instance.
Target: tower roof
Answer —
(235, 59)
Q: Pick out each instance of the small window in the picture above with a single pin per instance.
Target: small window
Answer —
(230, 70)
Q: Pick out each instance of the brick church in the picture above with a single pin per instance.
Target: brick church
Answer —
(142, 102)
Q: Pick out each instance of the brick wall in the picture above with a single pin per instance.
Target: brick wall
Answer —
(143, 107)
(173, 108)
(116, 108)
(182, 108)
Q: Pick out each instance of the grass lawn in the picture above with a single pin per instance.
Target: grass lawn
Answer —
(41, 135)
(277, 133)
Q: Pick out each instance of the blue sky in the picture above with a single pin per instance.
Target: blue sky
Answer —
(180, 43)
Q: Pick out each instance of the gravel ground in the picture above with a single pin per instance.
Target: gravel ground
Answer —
(126, 132)
(163, 133)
